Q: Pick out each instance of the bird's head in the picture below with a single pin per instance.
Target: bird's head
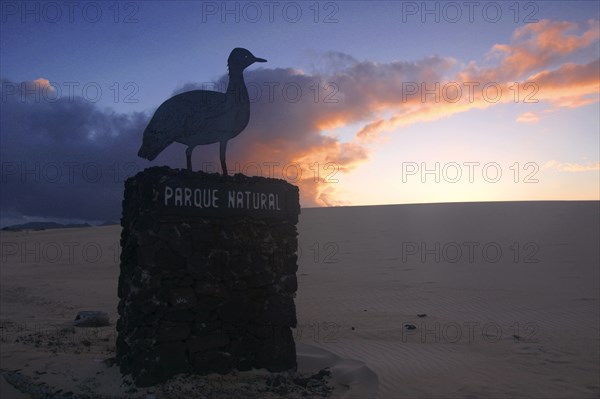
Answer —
(240, 59)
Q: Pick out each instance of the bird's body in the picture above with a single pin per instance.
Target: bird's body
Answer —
(212, 113)
(202, 117)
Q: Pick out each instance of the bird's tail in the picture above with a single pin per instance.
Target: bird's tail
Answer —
(152, 144)
(146, 153)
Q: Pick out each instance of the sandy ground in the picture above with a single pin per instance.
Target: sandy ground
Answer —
(469, 300)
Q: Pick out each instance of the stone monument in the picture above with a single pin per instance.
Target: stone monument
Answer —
(208, 261)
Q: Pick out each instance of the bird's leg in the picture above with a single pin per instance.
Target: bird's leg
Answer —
(188, 157)
(222, 151)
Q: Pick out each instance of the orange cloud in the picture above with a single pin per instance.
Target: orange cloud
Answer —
(571, 85)
(537, 45)
(528, 117)
(536, 66)
(42, 83)
(571, 167)
(40, 88)
(534, 47)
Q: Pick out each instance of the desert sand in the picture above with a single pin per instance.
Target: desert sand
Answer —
(462, 300)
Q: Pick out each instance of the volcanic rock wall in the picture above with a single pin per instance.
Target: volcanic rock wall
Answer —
(208, 274)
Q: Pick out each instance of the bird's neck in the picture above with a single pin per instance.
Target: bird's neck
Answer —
(237, 86)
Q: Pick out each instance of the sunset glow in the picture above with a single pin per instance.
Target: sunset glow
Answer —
(341, 118)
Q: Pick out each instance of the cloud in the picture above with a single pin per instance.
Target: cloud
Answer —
(540, 45)
(63, 157)
(571, 167)
(285, 137)
(67, 158)
(528, 117)
(571, 85)
(294, 116)
(533, 68)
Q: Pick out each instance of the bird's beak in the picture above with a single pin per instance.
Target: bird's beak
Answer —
(256, 59)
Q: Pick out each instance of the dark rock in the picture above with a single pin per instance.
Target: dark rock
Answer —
(152, 306)
(211, 289)
(171, 331)
(179, 315)
(245, 363)
(261, 331)
(276, 380)
(199, 344)
(143, 366)
(279, 353)
(197, 265)
(280, 311)
(245, 344)
(183, 298)
(169, 282)
(303, 382)
(172, 358)
(205, 290)
(218, 264)
(236, 309)
(212, 361)
(321, 375)
(171, 261)
(141, 332)
(91, 318)
(289, 283)
(261, 280)
(208, 303)
(109, 362)
(237, 285)
(186, 281)
(233, 329)
(204, 327)
(291, 265)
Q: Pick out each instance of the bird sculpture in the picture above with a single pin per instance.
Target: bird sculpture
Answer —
(202, 117)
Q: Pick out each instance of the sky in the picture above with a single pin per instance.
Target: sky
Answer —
(360, 103)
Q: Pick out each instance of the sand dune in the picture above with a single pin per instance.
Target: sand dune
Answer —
(377, 284)
(508, 294)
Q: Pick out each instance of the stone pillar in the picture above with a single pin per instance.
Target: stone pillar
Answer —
(208, 274)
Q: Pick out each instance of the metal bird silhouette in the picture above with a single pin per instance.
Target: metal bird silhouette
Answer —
(202, 117)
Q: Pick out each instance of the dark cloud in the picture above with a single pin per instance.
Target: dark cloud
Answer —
(289, 110)
(64, 157)
(67, 158)
(289, 136)
(291, 133)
